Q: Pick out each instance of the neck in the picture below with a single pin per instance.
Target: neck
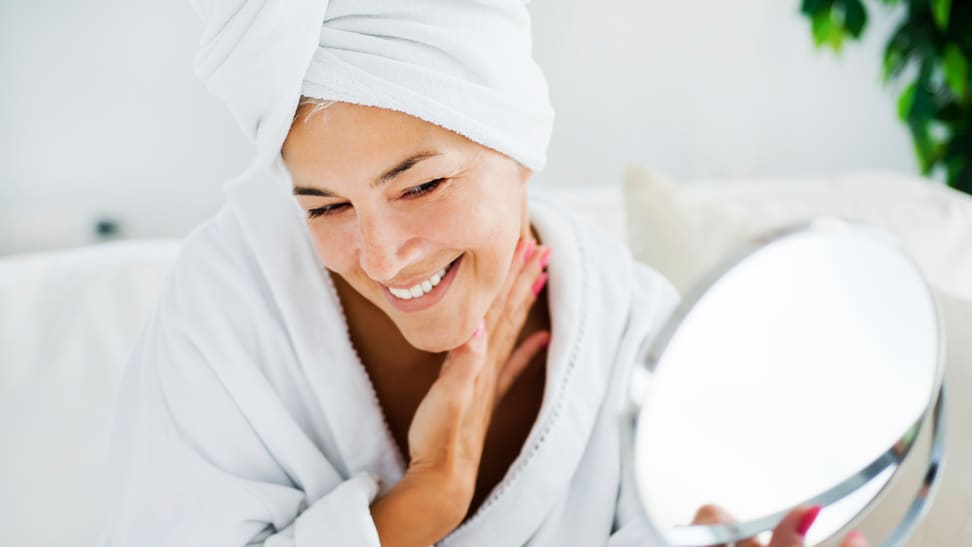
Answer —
(375, 336)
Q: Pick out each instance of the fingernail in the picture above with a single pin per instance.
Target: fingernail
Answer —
(807, 521)
(539, 283)
(856, 536)
(528, 250)
(545, 258)
(545, 342)
(480, 330)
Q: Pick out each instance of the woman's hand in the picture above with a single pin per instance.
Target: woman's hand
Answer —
(790, 532)
(447, 433)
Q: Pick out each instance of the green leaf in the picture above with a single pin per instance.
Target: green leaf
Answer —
(954, 167)
(935, 37)
(812, 7)
(963, 179)
(925, 147)
(906, 101)
(855, 17)
(827, 29)
(836, 38)
(820, 26)
(898, 52)
(956, 70)
(942, 10)
(893, 64)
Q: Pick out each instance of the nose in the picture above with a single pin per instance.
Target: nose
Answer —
(384, 247)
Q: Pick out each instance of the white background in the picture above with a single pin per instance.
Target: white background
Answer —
(101, 115)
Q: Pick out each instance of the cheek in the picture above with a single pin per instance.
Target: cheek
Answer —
(333, 248)
(489, 227)
(486, 218)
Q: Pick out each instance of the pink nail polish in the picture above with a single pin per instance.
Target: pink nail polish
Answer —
(539, 283)
(528, 250)
(856, 536)
(545, 258)
(480, 330)
(807, 521)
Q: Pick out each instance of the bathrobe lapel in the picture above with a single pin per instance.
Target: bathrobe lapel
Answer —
(314, 322)
(579, 366)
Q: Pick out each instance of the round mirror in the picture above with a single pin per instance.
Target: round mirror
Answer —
(798, 373)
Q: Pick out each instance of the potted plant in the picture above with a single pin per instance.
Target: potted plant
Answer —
(934, 38)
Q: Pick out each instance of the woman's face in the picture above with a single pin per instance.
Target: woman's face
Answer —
(394, 202)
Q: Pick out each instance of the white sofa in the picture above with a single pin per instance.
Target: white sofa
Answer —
(68, 319)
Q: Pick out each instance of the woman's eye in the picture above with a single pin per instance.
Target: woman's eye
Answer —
(326, 210)
(423, 188)
(336, 208)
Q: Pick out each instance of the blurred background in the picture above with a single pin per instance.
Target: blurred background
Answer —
(105, 132)
(685, 128)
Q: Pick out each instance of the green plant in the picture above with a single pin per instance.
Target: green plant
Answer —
(933, 45)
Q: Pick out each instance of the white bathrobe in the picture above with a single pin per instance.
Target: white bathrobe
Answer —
(246, 418)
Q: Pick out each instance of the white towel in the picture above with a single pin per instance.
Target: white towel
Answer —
(465, 65)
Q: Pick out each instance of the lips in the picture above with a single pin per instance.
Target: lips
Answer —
(426, 298)
(423, 287)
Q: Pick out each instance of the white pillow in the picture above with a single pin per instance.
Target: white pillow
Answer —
(685, 229)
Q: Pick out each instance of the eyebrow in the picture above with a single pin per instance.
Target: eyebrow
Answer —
(387, 177)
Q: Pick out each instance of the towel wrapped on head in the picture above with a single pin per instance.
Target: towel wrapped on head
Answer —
(465, 65)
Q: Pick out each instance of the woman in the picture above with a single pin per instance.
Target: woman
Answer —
(380, 339)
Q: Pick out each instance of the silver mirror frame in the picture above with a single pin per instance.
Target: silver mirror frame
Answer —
(702, 535)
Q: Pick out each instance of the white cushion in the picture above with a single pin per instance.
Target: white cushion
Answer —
(684, 229)
(67, 323)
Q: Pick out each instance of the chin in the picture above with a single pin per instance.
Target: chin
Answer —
(434, 340)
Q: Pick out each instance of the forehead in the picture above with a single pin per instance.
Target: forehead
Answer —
(349, 140)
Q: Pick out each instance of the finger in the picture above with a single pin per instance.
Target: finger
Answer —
(520, 299)
(519, 361)
(530, 281)
(792, 530)
(525, 289)
(855, 539)
(713, 514)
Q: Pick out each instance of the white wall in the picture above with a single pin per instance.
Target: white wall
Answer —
(100, 114)
(709, 88)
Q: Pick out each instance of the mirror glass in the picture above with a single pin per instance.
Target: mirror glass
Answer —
(798, 373)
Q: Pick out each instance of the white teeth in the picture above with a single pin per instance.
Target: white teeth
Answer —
(421, 288)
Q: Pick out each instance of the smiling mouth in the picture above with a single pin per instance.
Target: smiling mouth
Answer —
(425, 287)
